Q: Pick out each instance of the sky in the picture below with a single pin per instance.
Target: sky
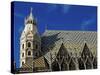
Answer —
(53, 17)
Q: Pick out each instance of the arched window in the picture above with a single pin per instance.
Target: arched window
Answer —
(36, 54)
(36, 46)
(29, 44)
(29, 53)
(88, 64)
(22, 46)
(95, 63)
(55, 66)
(72, 65)
(22, 54)
(81, 64)
(64, 66)
(22, 63)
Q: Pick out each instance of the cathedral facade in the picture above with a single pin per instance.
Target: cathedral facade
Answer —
(56, 50)
(30, 42)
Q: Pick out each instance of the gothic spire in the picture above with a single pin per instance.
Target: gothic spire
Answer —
(31, 12)
(31, 16)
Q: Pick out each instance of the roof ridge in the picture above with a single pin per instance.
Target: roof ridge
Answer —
(71, 30)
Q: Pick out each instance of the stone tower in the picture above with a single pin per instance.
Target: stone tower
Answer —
(30, 42)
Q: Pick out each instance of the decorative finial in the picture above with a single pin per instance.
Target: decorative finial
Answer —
(31, 9)
(45, 27)
(31, 16)
(84, 37)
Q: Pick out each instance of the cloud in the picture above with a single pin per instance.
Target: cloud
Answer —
(18, 15)
(51, 7)
(85, 24)
(65, 8)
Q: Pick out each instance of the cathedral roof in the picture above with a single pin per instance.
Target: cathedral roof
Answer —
(74, 42)
(39, 62)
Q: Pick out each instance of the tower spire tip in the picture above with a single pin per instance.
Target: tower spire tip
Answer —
(31, 9)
